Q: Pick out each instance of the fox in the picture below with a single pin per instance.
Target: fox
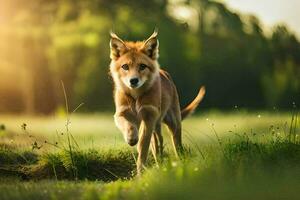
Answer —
(145, 96)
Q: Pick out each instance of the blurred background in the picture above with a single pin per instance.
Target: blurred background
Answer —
(245, 60)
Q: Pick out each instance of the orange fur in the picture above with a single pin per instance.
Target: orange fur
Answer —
(145, 96)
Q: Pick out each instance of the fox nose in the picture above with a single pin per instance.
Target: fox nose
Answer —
(134, 81)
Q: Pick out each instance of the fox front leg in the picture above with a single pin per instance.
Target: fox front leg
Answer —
(128, 124)
(149, 115)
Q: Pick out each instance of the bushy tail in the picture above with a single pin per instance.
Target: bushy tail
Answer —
(193, 105)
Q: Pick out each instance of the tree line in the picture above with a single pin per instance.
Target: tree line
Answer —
(202, 42)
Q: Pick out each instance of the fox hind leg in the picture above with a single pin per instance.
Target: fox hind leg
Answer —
(157, 141)
(173, 121)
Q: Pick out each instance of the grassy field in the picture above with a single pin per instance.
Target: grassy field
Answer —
(235, 155)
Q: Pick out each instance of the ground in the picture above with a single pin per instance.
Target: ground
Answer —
(237, 155)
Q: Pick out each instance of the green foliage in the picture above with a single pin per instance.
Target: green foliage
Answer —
(69, 41)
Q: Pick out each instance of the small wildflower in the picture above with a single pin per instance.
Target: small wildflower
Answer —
(273, 132)
(207, 119)
(259, 116)
(196, 169)
(36, 146)
(278, 133)
(23, 126)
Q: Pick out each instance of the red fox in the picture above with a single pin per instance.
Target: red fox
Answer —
(145, 96)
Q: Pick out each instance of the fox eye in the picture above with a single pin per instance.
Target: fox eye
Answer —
(125, 67)
(143, 66)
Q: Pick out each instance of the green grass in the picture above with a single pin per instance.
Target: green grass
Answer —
(99, 131)
(228, 156)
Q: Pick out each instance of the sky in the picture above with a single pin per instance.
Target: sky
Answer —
(270, 12)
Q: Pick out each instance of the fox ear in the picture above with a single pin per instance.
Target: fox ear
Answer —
(151, 46)
(117, 46)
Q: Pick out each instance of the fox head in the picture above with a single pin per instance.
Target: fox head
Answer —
(134, 64)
